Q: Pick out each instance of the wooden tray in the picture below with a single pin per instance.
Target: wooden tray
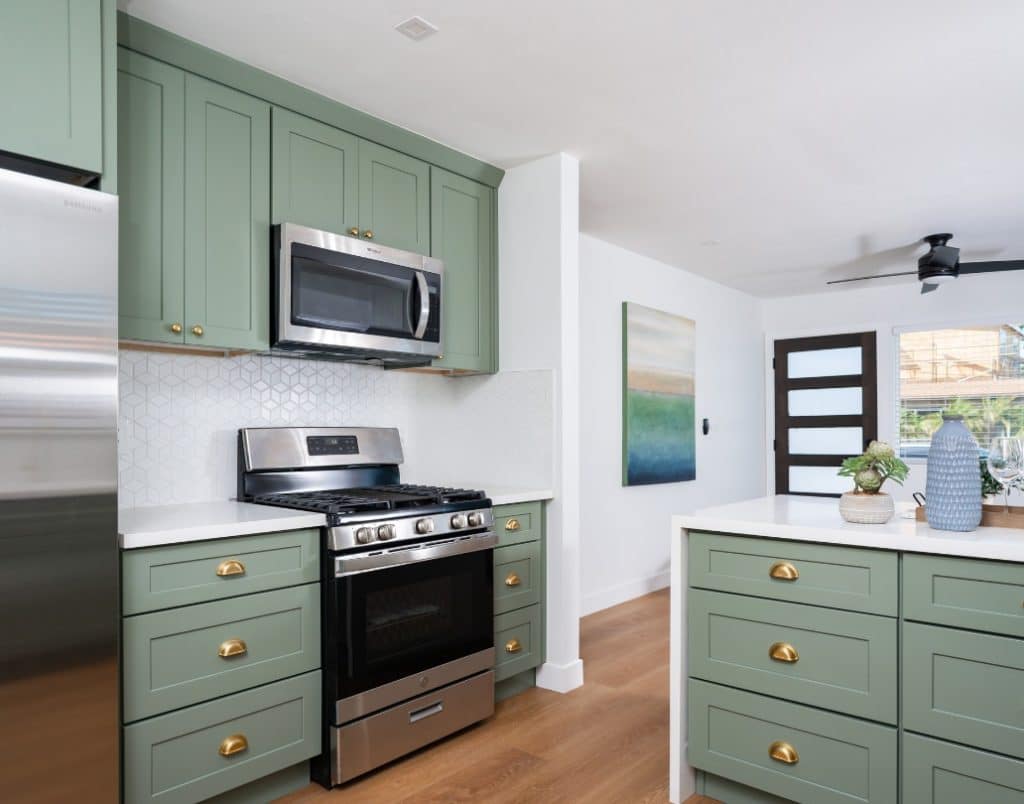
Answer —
(992, 516)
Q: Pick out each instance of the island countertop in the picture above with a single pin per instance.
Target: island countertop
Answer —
(817, 519)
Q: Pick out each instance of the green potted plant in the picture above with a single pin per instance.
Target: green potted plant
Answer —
(867, 504)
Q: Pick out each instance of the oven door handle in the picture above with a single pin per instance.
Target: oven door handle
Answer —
(421, 326)
(397, 556)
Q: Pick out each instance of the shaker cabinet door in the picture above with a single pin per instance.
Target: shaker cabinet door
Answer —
(394, 198)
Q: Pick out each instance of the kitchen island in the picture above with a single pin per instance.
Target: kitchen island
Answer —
(831, 601)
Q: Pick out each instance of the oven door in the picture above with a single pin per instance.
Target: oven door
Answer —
(411, 623)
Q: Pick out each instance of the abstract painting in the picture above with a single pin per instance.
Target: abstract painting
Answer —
(658, 360)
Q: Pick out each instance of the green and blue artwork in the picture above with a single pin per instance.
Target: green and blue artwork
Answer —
(658, 361)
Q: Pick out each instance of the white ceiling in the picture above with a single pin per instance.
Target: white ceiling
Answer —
(766, 145)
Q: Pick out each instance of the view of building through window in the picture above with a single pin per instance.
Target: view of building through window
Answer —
(975, 371)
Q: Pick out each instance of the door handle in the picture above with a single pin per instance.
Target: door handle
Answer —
(427, 711)
(424, 317)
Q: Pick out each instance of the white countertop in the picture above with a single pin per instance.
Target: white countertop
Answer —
(817, 519)
(191, 522)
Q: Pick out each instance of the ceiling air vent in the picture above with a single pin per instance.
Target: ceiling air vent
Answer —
(416, 28)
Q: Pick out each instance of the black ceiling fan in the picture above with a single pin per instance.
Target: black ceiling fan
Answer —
(942, 264)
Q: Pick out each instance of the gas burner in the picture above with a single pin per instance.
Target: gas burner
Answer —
(325, 502)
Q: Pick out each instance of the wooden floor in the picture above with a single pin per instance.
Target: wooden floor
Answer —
(604, 742)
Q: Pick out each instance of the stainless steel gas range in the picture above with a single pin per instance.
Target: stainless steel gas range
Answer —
(407, 603)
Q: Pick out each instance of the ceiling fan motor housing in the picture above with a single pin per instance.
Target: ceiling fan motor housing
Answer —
(940, 261)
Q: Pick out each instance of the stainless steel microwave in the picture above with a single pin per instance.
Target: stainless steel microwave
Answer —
(338, 297)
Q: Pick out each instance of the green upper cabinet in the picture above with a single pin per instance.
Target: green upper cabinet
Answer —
(151, 153)
(394, 198)
(227, 217)
(51, 81)
(462, 229)
(315, 174)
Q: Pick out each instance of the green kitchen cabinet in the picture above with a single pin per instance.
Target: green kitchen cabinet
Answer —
(394, 198)
(462, 235)
(937, 772)
(151, 157)
(51, 81)
(315, 174)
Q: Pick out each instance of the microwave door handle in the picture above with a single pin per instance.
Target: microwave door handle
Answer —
(421, 326)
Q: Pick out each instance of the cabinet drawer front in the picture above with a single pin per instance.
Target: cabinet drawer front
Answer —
(983, 595)
(179, 574)
(517, 576)
(838, 758)
(517, 641)
(515, 524)
(176, 758)
(180, 657)
(964, 686)
(824, 575)
(935, 772)
(833, 659)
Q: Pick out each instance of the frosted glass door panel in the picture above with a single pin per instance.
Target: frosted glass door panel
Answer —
(826, 440)
(817, 480)
(826, 402)
(824, 362)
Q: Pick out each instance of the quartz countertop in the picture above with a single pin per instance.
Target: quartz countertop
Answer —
(816, 519)
(150, 526)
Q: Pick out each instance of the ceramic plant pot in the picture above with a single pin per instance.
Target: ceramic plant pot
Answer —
(866, 509)
(953, 488)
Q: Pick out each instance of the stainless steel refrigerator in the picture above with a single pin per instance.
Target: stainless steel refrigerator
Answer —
(58, 492)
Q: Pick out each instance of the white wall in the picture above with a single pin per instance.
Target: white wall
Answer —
(625, 529)
(884, 307)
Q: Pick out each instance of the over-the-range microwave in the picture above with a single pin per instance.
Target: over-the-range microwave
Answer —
(335, 296)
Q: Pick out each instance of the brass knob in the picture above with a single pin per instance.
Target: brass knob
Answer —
(230, 566)
(176, 328)
(512, 580)
(783, 652)
(784, 571)
(232, 745)
(354, 231)
(783, 752)
(197, 330)
(232, 647)
(513, 646)
(368, 234)
(512, 524)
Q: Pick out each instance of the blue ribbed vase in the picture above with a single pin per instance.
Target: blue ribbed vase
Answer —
(953, 488)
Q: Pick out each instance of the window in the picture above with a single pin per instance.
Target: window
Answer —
(977, 372)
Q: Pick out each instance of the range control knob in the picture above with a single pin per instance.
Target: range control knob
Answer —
(385, 532)
(364, 535)
(459, 521)
(476, 519)
(424, 526)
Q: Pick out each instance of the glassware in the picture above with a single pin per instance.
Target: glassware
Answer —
(1006, 463)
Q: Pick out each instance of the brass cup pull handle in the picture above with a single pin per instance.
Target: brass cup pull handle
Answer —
(197, 331)
(512, 524)
(230, 567)
(513, 646)
(232, 647)
(783, 652)
(783, 752)
(368, 234)
(176, 328)
(783, 571)
(235, 744)
(512, 580)
(354, 231)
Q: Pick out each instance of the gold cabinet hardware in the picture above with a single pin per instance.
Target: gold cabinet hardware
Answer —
(513, 646)
(232, 647)
(232, 745)
(230, 566)
(368, 234)
(354, 231)
(176, 328)
(197, 331)
(783, 652)
(784, 571)
(783, 752)
(512, 524)
(512, 580)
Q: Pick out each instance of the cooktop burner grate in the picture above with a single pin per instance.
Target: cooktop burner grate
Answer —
(375, 498)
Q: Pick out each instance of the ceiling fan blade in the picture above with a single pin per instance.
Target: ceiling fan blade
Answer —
(876, 276)
(991, 266)
(926, 288)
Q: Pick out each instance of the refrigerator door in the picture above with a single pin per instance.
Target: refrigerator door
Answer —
(59, 603)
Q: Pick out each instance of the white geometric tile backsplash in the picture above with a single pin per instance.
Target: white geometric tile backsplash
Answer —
(179, 418)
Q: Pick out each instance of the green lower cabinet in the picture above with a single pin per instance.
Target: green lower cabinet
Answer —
(964, 686)
(196, 753)
(518, 522)
(518, 641)
(394, 198)
(937, 772)
(517, 576)
(731, 792)
(789, 750)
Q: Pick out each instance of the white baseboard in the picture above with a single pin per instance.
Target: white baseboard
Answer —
(560, 677)
(620, 593)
